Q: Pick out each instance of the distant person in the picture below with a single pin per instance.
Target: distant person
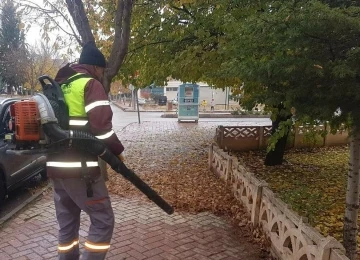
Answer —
(212, 105)
(204, 104)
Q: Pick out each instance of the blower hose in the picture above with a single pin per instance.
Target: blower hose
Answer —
(83, 141)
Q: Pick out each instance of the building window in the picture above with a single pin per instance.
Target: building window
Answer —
(171, 89)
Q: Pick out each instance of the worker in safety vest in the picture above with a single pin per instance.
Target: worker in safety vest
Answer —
(76, 176)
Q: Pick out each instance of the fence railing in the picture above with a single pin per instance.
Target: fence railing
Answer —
(244, 138)
(291, 237)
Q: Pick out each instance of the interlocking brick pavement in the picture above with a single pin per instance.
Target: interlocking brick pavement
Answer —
(142, 230)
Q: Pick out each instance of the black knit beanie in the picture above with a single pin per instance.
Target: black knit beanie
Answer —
(91, 55)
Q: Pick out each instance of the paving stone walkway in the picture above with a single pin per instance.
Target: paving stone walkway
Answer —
(142, 230)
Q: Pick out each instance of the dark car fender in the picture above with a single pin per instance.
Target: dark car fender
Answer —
(3, 148)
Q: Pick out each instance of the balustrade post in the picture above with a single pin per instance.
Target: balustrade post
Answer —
(228, 169)
(326, 245)
(221, 137)
(211, 154)
(255, 212)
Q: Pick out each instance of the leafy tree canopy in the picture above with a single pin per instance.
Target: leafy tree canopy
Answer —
(305, 55)
(12, 47)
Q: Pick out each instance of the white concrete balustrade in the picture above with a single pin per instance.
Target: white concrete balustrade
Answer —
(291, 237)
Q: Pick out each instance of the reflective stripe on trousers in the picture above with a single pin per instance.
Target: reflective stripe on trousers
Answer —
(96, 247)
(92, 250)
(63, 248)
(69, 251)
(70, 199)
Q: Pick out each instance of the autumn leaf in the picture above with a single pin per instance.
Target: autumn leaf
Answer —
(312, 182)
(175, 164)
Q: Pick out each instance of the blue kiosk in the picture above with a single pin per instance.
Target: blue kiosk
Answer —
(188, 102)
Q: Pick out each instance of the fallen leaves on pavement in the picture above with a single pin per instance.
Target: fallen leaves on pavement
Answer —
(175, 164)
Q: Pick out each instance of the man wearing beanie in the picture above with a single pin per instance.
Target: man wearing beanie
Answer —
(77, 179)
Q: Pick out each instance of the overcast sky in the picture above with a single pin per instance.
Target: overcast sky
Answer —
(34, 35)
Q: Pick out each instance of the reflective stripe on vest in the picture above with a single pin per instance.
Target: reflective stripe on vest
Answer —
(78, 122)
(71, 164)
(74, 96)
(104, 136)
(63, 248)
(96, 104)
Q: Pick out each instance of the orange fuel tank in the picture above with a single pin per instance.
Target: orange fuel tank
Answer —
(27, 124)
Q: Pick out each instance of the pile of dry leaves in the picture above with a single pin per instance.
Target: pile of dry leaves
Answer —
(181, 176)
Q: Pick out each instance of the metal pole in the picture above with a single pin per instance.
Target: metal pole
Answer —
(134, 99)
(131, 100)
(225, 96)
(137, 103)
(228, 98)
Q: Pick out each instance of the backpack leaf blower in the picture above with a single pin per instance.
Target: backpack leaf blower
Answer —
(52, 110)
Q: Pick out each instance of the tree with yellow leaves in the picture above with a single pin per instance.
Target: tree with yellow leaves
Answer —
(42, 59)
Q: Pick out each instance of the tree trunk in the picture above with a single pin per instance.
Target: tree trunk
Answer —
(352, 198)
(106, 83)
(276, 156)
(78, 14)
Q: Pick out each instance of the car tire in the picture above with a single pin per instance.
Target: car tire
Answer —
(2, 189)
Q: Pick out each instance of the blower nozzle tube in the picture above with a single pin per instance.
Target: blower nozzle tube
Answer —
(128, 174)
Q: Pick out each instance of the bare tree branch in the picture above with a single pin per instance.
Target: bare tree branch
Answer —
(77, 12)
(65, 18)
(34, 6)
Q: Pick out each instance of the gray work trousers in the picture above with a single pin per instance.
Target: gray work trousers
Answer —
(70, 198)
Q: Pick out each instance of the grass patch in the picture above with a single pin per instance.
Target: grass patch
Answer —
(312, 182)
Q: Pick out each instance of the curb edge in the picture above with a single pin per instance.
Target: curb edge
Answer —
(9, 215)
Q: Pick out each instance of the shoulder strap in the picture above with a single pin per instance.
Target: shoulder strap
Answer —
(79, 76)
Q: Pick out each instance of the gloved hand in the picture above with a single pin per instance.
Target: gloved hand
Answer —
(121, 157)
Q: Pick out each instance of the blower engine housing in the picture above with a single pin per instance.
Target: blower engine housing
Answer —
(27, 125)
(23, 126)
